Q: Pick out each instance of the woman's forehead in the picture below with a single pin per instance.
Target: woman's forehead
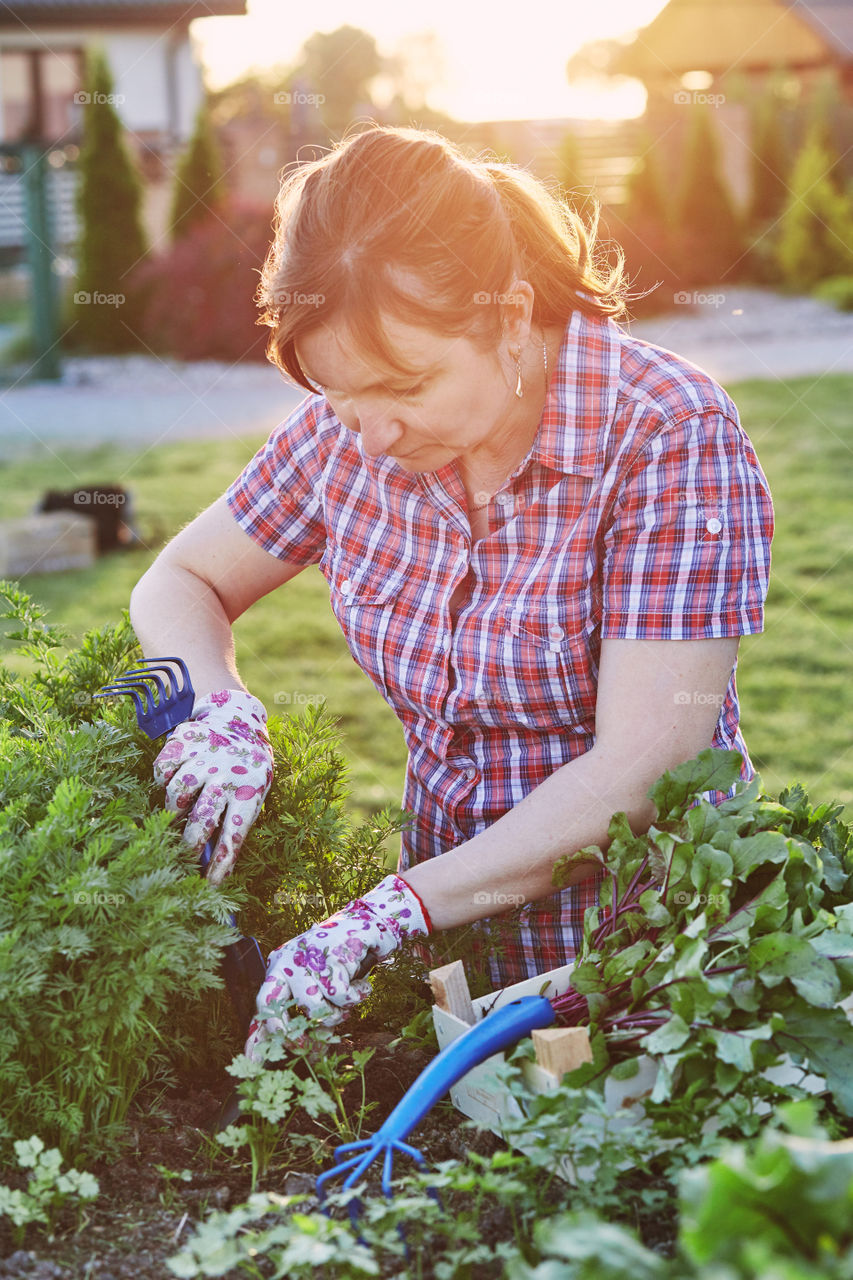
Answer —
(334, 351)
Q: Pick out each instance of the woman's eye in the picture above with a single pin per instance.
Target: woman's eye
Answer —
(413, 391)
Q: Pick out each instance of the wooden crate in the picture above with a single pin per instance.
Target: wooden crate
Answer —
(46, 543)
(480, 1094)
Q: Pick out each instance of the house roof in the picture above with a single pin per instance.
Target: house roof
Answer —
(724, 35)
(30, 13)
(832, 21)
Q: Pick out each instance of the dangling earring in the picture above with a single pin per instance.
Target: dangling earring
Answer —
(519, 389)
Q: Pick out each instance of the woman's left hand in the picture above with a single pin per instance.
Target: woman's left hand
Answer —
(324, 968)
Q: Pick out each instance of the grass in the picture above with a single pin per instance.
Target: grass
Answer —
(793, 680)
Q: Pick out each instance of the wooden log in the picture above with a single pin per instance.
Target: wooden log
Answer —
(561, 1049)
(450, 991)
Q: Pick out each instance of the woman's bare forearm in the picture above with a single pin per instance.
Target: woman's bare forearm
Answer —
(176, 613)
(511, 862)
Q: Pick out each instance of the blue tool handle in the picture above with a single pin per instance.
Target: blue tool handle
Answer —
(495, 1032)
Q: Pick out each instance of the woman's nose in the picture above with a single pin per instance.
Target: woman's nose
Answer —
(379, 432)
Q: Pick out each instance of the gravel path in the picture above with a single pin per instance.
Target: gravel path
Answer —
(733, 334)
(736, 334)
(142, 401)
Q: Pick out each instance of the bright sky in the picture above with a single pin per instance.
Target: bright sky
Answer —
(500, 64)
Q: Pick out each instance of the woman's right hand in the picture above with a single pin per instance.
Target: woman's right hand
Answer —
(218, 766)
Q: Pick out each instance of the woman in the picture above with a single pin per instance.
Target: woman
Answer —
(542, 540)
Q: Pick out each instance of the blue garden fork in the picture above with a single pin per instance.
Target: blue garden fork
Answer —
(159, 709)
(495, 1032)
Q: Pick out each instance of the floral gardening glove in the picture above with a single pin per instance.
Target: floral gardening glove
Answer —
(324, 968)
(218, 762)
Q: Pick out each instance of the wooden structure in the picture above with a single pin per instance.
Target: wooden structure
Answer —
(480, 1095)
(754, 38)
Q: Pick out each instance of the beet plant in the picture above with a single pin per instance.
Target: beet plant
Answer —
(723, 943)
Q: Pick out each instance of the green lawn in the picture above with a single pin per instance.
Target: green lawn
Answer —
(794, 680)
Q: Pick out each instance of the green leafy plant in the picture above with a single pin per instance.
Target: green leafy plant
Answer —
(168, 1194)
(306, 1074)
(108, 934)
(48, 1188)
(306, 858)
(723, 941)
(779, 1206)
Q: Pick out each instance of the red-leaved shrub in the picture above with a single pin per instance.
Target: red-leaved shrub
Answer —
(198, 296)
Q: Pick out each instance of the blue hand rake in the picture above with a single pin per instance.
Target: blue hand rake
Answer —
(158, 709)
(495, 1032)
(161, 707)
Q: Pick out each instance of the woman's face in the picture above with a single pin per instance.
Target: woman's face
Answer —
(457, 399)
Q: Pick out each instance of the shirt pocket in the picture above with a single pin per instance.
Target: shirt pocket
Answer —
(547, 671)
(365, 599)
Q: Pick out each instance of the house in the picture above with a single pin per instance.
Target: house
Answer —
(751, 38)
(726, 53)
(158, 88)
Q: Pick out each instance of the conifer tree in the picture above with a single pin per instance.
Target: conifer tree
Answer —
(199, 182)
(770, 163)
(109, 202)
(816, 237)
(709, 234)
(645, 201)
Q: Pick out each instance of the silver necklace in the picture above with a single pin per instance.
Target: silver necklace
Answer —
(480, 505)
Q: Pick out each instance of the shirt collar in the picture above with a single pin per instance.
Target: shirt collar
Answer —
(581, 400)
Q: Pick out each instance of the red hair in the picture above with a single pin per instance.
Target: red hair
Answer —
(400, 221)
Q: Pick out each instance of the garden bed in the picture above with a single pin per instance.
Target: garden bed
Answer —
(723, 943)
(141, 1217)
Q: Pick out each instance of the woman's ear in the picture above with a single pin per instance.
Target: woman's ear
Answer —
(517, 313)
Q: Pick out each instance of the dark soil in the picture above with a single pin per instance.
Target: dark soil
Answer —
(139, 1219)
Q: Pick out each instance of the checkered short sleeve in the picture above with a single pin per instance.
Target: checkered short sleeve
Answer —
(278, 498)
(687, 552)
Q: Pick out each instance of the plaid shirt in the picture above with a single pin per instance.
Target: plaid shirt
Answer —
(640, 511)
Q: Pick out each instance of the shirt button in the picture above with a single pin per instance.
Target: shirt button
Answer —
(470, 774)
(556, 633)
(714, 525)
(346, 587)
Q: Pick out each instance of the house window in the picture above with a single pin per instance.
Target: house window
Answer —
(37, 88)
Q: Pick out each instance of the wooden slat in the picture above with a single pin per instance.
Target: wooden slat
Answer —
(562, 1049)
(450, 990)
